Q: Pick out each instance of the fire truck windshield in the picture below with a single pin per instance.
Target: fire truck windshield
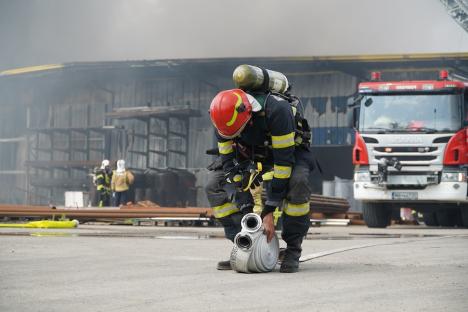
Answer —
(427, 113)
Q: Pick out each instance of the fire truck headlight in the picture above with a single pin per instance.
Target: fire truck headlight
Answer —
(461, 177)
(362, 176)
(453, 177)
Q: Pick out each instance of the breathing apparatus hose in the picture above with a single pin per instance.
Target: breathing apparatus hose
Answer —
(253, 173)
(251, 252)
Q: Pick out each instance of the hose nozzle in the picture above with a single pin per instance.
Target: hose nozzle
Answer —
(251, 222)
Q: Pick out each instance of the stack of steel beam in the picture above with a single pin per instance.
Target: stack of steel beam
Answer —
(326, 204)
(132, 211)
(318, 204)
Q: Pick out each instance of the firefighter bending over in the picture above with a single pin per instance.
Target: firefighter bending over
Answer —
(269, 128)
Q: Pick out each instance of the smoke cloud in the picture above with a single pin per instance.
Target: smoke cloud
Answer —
(54, 31)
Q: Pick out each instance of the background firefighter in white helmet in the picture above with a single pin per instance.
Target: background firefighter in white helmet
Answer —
(269, 128)
(102, 180)
(120, 184)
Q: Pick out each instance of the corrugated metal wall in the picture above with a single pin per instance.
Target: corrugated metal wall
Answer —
(81, 99)
(73, 102)
(13, 97)
(167, 92)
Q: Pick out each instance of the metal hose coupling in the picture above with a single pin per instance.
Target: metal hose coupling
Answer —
(251, 253)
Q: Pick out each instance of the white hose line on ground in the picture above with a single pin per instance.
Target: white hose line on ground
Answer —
(339, 250)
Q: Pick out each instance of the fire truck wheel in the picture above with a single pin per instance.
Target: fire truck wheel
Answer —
(447, 217)
(376, 215)
(430, 219)
(464, 216)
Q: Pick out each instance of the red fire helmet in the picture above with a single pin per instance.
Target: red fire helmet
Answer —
(230, 111)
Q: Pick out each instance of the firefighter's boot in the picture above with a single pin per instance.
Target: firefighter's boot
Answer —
(281, 254)
(224, 265)
(290, 262)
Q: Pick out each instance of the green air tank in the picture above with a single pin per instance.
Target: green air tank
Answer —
(251, 78)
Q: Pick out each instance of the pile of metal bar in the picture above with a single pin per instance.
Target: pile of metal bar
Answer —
(328, 205)
(132, 211)
(318, 204)
(321, 222)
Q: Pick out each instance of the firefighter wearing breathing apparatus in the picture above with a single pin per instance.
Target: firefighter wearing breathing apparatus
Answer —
(267, 127)
(102, 179)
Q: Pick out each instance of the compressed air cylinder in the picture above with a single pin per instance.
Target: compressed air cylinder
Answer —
(251, 78)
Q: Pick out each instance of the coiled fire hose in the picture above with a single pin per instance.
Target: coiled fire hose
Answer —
(251, 252)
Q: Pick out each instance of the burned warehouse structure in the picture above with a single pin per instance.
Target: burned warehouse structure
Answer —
(59, 121)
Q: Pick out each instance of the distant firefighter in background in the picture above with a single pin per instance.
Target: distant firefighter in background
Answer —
(102, 181)
(121, 181)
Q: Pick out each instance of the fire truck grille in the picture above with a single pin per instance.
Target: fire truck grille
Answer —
(406, 149)
(408, 158)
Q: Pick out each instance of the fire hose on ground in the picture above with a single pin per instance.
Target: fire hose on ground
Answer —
(251, 252)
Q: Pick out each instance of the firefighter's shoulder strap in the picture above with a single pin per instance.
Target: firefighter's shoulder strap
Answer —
(303, 133)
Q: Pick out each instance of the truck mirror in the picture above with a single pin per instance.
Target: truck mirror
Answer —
(350, 117)
(354, 100)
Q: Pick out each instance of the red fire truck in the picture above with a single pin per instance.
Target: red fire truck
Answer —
(411, 149)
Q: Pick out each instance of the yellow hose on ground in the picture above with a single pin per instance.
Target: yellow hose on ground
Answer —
(43, 224)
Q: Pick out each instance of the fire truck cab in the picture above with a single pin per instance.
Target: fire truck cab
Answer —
(411, 149)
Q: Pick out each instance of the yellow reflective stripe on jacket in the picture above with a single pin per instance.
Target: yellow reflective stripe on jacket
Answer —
(267, 176)
(282, 172)
(296, 210)
(237, 178)
(224, 210)
(225, 147)
(282, 141)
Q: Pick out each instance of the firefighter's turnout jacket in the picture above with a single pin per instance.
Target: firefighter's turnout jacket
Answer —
(102, 180)
(271, 137)
(121, 181)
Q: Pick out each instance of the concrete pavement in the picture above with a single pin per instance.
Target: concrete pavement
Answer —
(125, 268)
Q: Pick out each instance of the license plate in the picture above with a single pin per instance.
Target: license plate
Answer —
(407, 180)
(405, 195)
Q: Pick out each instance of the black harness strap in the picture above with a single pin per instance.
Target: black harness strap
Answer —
(266, 81)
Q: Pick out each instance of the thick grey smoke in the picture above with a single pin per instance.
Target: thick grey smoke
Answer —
(52, 31)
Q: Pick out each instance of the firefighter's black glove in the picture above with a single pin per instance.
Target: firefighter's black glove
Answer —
(216, 165)
(256, 181)
(234, 177)
(244, 201)
(252, 176)
(266, 210)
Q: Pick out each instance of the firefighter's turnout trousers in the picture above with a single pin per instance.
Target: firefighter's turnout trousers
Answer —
(295, 208)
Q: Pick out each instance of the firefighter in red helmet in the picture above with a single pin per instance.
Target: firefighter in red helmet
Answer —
(269, 128)
(230, 111)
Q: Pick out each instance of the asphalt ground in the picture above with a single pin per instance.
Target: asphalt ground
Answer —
(143, 268)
